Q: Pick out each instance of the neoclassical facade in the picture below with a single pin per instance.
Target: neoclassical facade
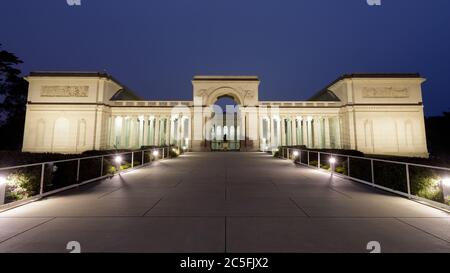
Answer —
(72, 112)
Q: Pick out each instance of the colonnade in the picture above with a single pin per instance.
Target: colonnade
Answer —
(134, 131)
(309, 130)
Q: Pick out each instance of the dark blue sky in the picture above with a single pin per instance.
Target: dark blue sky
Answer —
(296, 47)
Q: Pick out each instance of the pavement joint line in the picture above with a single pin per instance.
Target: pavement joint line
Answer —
(107, 193)
(344, 194)
(221, 216)
(422, 230)
(157, 202)
(33, 227)
(298, 207)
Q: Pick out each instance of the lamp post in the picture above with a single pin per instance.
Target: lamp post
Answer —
(446, 189)
(3, 183)
(118, 160)
(332, 161)
(155, 154)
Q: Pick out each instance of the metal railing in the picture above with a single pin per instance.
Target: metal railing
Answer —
(25, 183)
(414, 181)
(217, 145)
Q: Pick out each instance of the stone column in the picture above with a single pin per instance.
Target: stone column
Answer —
(270, 133)
(283, 131)
(309, 132)
(145, 131)
(132, 132)
(123, 132)
(293, 131)
(112, 133)
(243, 129)
(305, 130)
(156, 138)
(179, 130)
(338, 133)
(316, 131)
(327, 133)
(167, 130)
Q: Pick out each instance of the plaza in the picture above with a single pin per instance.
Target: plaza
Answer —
(225, 202)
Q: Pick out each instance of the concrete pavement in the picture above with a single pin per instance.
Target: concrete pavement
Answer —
(217, 202)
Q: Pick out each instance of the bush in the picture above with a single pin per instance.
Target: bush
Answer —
(173, 153)
(425, 184)
(22, 184)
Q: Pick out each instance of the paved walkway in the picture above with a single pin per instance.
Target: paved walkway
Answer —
(216, 202)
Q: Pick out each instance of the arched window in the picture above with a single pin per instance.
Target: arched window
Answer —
(61, 133)
(40, 133)
(81, 139)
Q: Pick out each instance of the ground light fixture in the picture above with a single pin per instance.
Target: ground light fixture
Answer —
(445, 182)
(2, 180)
(332, 161)
(155, 153)
(2, 189)
(118, 159)
(446, 188)
(184, 148)
(295, 154)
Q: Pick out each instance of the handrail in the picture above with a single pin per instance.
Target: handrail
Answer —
(371, 158)
(164, 153)
(75, 158)
(371, 181)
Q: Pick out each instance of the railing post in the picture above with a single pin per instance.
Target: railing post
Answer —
(287, 153)
(41, 190)
(101, 167)
(373, 172)
(408, 182)
(308, 158)
(348, 166)
(132, 160)
(78, 170)
(318, 160)
(142, 157)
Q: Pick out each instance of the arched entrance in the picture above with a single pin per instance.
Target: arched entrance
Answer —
(225, 124)
(208, 92)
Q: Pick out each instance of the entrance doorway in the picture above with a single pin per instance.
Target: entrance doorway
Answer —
(225, 127)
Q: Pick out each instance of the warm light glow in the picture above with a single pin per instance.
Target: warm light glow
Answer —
(118, 159)
(184, 148)
(155, 153)
(446, 181)
(332, 160)
(295, 153)
(2, 180)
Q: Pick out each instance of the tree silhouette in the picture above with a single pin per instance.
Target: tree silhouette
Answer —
(13, 92)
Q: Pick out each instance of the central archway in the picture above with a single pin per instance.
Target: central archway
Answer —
(225, 126)
(224, 91)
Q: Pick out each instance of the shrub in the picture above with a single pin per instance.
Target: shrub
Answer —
(22, 184)
(425, 184)
(173, 153)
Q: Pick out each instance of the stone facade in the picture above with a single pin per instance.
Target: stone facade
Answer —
(72, 112)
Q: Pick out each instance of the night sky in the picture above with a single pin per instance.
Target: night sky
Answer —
(296, 47)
